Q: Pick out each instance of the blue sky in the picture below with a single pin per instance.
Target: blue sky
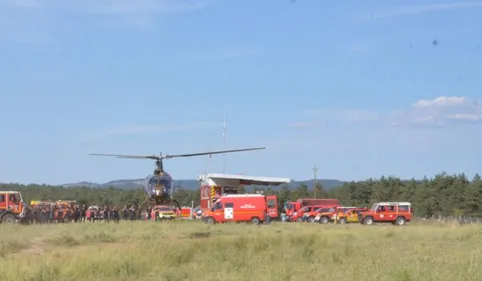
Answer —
(356, 87)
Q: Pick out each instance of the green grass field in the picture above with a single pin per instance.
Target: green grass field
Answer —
(188, 250)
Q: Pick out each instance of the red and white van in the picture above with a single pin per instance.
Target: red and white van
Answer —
(242, 208)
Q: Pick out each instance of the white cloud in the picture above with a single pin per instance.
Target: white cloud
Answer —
(441, 101)
(149, 129)
(438, 111)
(21, 19)
(419, 9)
(108, 7)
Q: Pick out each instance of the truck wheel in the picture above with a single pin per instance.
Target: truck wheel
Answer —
(342, 221)
(400, 221)
(324, 220)
(299, 220)
(311, 219)
(368, 221)
(8, 218)
(255, 221)
(210, 220)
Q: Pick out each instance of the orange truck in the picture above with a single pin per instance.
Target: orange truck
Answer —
(293, 207)
(252, 208)
(12, 207)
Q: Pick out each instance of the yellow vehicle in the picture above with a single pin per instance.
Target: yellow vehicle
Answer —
(165, 213)
(38, 202)
(350, 216)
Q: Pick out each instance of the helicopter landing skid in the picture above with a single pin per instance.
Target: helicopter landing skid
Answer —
(159, 201)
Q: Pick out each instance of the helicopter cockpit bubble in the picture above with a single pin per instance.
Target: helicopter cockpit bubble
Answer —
(157, 185)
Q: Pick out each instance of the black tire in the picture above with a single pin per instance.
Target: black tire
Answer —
(255, 220)
(324, 220)
(342, 221)
(311, 219)
(368, 221)
(8, 218)
(400, 221)
(210, 220)
(299, 220)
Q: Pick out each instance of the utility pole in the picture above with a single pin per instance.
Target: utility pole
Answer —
(315, 169)
(224, 143)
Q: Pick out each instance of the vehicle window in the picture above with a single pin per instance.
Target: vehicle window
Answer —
(403, 208)
(2, 198)
(304, 209)
(218, 206)
(229, 205)
(271, 203)
(381, 209)
(164, 209)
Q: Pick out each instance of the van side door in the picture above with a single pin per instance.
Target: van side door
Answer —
(228, 211)
(272, 206)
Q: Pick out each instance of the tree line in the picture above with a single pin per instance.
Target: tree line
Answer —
(446, 195)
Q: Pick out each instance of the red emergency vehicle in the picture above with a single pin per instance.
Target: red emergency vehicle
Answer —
(215, 186)
(240, 208)
(294, 207)
(185, 212)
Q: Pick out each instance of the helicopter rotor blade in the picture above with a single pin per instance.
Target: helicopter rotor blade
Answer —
(212, 152)
(128, 156)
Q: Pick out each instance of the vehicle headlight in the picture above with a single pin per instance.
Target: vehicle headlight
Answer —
(295, 213)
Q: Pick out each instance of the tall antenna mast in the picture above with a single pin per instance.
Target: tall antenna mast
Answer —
(315, 183)
(224, 142)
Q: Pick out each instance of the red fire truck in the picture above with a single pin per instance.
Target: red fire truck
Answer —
(240, 208)
(214, 186)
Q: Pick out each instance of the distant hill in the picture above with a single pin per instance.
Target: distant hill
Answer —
(188, 184)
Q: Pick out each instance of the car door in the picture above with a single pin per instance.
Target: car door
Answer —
(218, 211)
(352, 216)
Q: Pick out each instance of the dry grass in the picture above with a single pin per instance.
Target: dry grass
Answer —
(195, 251)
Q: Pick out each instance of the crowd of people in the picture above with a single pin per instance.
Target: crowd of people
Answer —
(61, 212)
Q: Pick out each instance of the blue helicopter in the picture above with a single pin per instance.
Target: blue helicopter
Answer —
(158, 187)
